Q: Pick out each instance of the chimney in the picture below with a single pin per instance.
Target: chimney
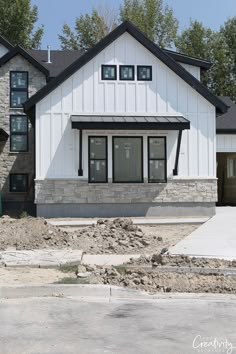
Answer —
(49, 55)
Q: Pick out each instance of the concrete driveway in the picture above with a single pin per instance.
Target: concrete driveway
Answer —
(71, 326)
(216, 238)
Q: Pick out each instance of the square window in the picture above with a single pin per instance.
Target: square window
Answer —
(18, 98)
(18, 88)
(19, 80)
(18, 183)
(97, 159)
(156, 159)
(18, 133)
(109, 72)
(126, 72)
(144, 73)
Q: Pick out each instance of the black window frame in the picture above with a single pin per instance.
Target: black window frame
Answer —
(105, 78)
(126, 66)
(157, 159)
(18, 174)
(143, 66)
(113, 160)
(89, 159)
(13, 89)
(19, 133)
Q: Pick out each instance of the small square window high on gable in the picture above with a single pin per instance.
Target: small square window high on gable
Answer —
(144, 73)
(109, 72)
(18, 88)
(127, 72)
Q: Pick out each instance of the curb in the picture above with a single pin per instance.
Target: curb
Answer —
(101, 292)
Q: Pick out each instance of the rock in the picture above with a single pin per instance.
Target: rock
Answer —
(139, 234)
(47, 237)
(81, 269)
(131, 228)
(145, 243)
(100, 221)
(159, 238)
(50, 232)
(164, 250)
(84, 275)
(123, 242)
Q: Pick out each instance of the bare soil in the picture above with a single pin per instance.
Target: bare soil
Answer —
(117, 236)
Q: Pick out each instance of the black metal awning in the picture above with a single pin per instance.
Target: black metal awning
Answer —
(3, 135)
(129, 122)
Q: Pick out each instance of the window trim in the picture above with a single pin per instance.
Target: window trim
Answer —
(19, 133)
(17, 174)
(127, 66)
(105, 66)
(113, 160)
(149, 159)
(144, 66)
(13, 89)
(89, 159)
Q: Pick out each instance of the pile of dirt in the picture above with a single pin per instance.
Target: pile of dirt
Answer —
(154, 282)
(118, 236)
(165, 260)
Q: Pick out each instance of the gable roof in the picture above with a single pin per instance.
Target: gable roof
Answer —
(186, 59)
(60, 59)
(226, 123)
(6, 43)
(149, 45)
(19, 50)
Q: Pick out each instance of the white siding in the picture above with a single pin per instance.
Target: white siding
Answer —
(225, 143)
(3, 50)
(85, 93)
(194, 70)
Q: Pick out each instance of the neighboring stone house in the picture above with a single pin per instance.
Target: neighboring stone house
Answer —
(127, 129)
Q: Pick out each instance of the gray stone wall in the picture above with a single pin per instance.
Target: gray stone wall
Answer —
(69, 191)
(16, 162)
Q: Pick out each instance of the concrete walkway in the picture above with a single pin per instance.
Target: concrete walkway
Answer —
(136, 221)
(216, 238)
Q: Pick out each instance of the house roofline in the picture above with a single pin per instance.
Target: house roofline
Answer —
(148, 44)
(186, 59)
(6, 43)
(19, 50)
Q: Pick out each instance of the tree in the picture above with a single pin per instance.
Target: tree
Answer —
(152, 18)
(89, 29)
(201, 42)
(17, 22)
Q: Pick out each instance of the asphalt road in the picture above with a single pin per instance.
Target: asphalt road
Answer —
(71, 326)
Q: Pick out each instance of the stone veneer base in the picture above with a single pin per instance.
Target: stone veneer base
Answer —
(124, 209)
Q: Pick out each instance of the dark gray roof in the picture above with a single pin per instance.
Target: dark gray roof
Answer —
(186, 59)
(226, 123)
(60, 59)
(132, 122)
(3, 135)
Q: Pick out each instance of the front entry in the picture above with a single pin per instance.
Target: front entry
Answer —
(226, 174)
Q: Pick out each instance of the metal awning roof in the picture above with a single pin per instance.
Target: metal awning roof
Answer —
(130, 122)
(3, 135)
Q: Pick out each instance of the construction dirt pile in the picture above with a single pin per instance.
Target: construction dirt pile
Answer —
(153, 279)
(118, 236)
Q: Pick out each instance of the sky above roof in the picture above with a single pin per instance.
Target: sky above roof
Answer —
(54, 13)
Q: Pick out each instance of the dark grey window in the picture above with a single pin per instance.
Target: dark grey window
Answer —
(157, 159)
(127, 72)
(19, 133)
(109, 72)
(97, 159)
(18, 183)
(18, 88)
(144, 73)
(127, 159)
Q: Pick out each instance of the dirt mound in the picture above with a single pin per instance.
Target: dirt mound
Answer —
(118, 236)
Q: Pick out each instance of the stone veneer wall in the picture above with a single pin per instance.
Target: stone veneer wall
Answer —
(16, 162)
(52, 191)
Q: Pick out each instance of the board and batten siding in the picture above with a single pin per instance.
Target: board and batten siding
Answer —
(226, 143)
(57, 145)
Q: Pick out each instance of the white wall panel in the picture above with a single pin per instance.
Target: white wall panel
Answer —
(193, 70)
(85, 93)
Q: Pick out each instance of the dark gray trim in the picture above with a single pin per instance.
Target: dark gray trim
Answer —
(3, 135)
(89, 159)
(6, 43)
(149, 45)
(226, 131)
(130, 126)
(18, 50)
(80, 171)
(185, 59)
(113, 160)
(164, 159)
(175, 170)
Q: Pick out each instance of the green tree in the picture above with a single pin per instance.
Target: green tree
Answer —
(89, 29)
(17, 23)
(152, 18)
(201, 42)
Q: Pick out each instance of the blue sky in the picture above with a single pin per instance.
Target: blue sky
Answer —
(54, 13)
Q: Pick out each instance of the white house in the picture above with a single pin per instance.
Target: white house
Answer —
(125, 130)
